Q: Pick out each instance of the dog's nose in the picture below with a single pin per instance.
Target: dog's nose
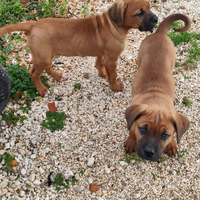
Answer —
(149, 152)
(154, 19)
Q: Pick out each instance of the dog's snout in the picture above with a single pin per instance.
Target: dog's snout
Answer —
(154, 19)
(149, 152)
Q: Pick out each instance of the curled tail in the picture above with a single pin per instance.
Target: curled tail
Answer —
(16, 27)
(167, 22)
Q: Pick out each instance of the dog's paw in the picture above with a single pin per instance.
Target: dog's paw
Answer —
(47, 94)
(64, 77)
(171, 148)
(130, 145)
(117, 86)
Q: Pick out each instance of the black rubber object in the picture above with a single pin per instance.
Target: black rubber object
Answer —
(5, 88)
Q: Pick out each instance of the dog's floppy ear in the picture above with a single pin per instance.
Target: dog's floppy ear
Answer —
(116, 12)
(133, 112)
(181, 124)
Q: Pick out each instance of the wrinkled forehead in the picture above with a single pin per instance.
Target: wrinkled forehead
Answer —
(156, 120)
(137, 5)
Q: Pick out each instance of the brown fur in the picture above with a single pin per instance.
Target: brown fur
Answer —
(102, 36)
(153, 89)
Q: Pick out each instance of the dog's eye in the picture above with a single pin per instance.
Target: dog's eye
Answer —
(143, 130)
(165, 136)
(140, 13)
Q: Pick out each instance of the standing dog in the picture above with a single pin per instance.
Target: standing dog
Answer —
(102, 36)
(151, 117)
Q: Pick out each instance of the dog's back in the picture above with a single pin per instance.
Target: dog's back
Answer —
(156, 60)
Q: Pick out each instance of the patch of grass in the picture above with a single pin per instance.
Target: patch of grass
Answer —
(8, 158)
(186, 102)
(10, 117)
(163, 159)
(128, 75)
(84, 10)
(183, 153)
(194, 50)
(25, 108)
(81, 172)
(77, 85)
(21, 81)
(132, 156)
(28, 186)
(63, 8)
(60, 180)
(54, 121)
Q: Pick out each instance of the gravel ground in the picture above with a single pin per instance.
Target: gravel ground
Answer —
(92, 140)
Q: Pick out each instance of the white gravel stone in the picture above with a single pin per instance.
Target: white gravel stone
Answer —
(90, 161)
(32, 177)
(4, 183)
(90, 180)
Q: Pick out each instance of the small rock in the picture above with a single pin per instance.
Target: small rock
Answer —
(122, 163)
(21, 151)
(99, 193)
(33, 156)
(4, 191)
(90, 161)
(21, 193)
(32, 177)
(85, 75)
(68, 174)
(181, 160)
(93, 187)
(23, 171)
(90, 180)
(36, 182)
(57, 62)
(2, 147)
(41, 170)
(4, 183)
(107, 169)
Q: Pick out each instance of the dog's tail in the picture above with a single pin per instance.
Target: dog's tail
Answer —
(16, 27)
(167, 22)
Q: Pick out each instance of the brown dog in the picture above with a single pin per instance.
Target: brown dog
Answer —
(151, 118)
(102, 36)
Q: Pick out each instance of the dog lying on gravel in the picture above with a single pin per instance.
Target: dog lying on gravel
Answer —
(151, 117)
(102, 36)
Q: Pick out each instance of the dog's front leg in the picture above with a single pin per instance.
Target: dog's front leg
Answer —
(110, 63)
(131, 143)
(100, 66)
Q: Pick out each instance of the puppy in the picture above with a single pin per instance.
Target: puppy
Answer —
(102, 36)
(151, 117)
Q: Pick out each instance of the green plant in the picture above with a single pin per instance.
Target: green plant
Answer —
(154, 175)
(54, 121)
(21, 81)
(162, 159)
(132, 156)
(10, 117)
(8, 158)
(128, 75)
(177, 171)
(81, 172)
(194, 50)
(63, 8)
(28, 186)
(59, 144)
(84, 11)
(183, 153)
(25, 108)
(27, 49)
(74, 180)
(77, 85)
(186, 102)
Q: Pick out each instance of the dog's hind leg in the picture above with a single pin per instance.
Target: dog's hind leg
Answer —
(100, 66)
(111, 69)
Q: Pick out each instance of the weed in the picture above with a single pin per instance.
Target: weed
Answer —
(186, 102)
(8, 158)
(154, 175)
(63, 8)
(162, 159)
(177, 171)
(21, 80)
(10, 117)
(183, 153)
(28, 186)
(128, 75)
(74, 180)
(27, 49)
(81, 172)
(84, 11)
(25, 108)
(134, 156)
(177, 64)
(54, 121)
(59, 144)
(77, 85)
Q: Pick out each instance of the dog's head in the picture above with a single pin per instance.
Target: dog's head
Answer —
(154, 129)
(133, 14)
